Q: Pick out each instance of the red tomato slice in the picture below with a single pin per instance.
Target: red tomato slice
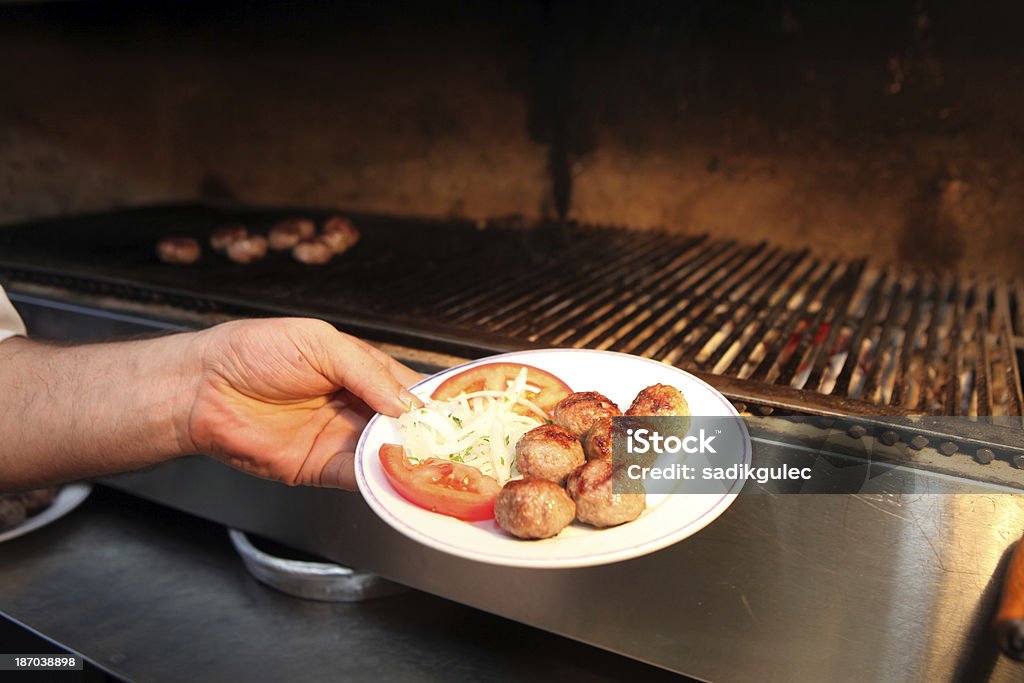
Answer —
(450, 488)
(496, 376)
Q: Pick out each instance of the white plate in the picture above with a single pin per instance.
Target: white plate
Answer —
(68, 498)
(669, 517)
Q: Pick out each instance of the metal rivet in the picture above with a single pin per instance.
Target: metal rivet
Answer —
(857, 431)
(948, 448)
(984, 456)
(889, 437)
(918, 442)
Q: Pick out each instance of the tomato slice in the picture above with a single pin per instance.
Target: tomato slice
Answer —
(496, 376)
(450, 488)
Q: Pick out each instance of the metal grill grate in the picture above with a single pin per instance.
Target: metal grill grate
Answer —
(926, 342)
(789, 328)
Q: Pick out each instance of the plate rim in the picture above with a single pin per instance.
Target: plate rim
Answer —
(74, 494)
(619, 554)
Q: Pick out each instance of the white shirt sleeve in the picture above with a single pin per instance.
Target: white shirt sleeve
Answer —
(10, 321)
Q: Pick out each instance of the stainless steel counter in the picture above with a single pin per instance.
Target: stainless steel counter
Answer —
(876, 587)
(150, 594)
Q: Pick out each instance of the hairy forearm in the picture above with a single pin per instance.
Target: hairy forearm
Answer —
(73, 412)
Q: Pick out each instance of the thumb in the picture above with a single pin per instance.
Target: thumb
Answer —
(347, 365)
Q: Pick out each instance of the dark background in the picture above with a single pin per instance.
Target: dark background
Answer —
(884, 128)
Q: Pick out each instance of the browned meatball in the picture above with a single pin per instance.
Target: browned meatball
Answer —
(179, 251)
(247, 250)
(288, 233)
(223, 237)
(596, 504)
(339, 233)
(548, 452)
(659, 400)
(313, 252)
(12, 512)
(533, 508)
(597, 443)
(578, 412)
(599, 440)
(38, 499)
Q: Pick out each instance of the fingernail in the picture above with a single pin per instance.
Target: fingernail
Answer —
(409, 400)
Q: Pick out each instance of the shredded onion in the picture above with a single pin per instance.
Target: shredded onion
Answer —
(479, 428)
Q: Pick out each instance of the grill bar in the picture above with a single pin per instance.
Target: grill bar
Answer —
(753, 309)
(770, 313)
(1015, 399)
(854, 346)
(724, 315)
(896, 305)
(701, 308)
(627, 302)
(846, 290)
(666, 311)
(527, 318)
(953, 399)
(786, 329)
(577, 311)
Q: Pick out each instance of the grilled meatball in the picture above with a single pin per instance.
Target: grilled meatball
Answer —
(180, 251)
(247, 250)
(596, 504)
(340, 234)
(548, 452)
(578, 412)
(223, 237)
(39, 499)
(598, 442)
(659, 400)
(533, 508)
(287, 234)
(12, 512)
(313, 252)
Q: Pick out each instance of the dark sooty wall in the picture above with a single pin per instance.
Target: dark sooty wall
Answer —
(885, 128)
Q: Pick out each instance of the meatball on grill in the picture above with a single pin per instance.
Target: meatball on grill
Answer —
(288, 233)
(340, 234)
(533, 508)
(597, 504)
(178, 251)
(222, 238)
(248, 249)
(314, 252)
(548, 452)
(578, 412)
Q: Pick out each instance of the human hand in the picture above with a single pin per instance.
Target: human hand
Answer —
(287, 398)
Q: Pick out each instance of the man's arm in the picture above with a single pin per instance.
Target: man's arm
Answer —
(283, 398)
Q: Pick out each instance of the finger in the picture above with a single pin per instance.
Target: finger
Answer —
(340, 472)
(355, 404)
(349, 366)
(331, 459)
(403, 373)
